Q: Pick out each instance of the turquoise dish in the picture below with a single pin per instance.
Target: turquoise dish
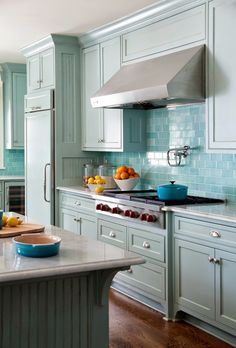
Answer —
(37, 245)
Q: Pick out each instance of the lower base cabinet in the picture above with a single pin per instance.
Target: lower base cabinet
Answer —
(148, 280)
(205, 272)
(74, 219)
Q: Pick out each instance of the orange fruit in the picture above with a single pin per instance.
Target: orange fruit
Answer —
(117, 176)
(124, 175)
(121, 169)
(131, 171)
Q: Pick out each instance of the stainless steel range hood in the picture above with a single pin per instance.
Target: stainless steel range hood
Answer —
(176, 78)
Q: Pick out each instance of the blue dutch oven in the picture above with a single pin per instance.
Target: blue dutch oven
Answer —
(37, 245)
(172, 192)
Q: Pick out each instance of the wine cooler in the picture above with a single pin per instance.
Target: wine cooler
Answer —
(15, 197)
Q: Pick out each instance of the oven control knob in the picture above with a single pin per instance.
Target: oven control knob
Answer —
(133, 214)
(114, 210)
(99, 206)
(127, 213)
(143, 217)
(151, 218)
(105, 207)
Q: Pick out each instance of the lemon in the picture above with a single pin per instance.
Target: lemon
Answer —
(99, 189)
(91, 181)
(4, 220)
(97, 177)
(12, 221)
(19, 221)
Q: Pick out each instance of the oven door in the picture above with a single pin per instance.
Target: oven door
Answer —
(15, 197)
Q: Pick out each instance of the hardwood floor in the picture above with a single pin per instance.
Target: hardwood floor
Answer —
(133, 325)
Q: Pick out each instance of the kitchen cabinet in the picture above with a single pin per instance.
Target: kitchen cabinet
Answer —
(77, 215)
(40, 70)
(14, 89)
(205, 271)
(144, 282)
(221, 77)
(175, 31)
(107, 129)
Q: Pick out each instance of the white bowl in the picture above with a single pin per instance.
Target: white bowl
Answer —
(128, 184)
(93, 187)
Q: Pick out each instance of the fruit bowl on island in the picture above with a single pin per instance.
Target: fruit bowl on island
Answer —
(126, 178)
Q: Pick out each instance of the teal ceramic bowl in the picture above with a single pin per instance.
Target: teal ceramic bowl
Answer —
(37, 245)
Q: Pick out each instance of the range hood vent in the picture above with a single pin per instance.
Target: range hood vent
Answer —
(177, 78)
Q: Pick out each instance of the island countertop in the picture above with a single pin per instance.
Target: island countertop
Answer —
(77, 254)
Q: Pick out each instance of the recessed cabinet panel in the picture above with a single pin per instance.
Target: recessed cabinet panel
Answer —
(47, 68)
(222, 76)
(68, 220)
(19, 91)
(33, 73)
(178, 30)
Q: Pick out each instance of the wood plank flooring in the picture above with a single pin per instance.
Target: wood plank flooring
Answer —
(133, 325)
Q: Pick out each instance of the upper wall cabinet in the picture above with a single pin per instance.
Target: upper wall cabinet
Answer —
(178, 30)
(221, 76)
(14, 89)
(40, 70)
(103, 129)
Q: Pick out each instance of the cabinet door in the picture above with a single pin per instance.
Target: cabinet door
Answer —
(194, 278)
(111, 120)
(33, 73)
(91, 83)
(47, 68)
(226, 288)
(18, 92)
(221, 76)
(68, 220)
(88, 225)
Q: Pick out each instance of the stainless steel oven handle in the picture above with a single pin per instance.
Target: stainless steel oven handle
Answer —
(45, 183)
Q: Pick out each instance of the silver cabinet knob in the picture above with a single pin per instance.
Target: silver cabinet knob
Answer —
(77, 203)
(76, 220)
(215, 234)
(211, 259)
(112, 234)
(216, 261)
(146, 245)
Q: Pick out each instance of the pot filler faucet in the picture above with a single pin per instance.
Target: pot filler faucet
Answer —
(175, 155)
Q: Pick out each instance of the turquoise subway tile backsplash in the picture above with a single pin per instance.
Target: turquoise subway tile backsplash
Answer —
(206, 174)
(13, 163)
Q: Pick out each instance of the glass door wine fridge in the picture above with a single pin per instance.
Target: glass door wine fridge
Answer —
(15, 197)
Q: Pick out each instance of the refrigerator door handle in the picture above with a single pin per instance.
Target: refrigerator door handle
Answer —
(45, 183)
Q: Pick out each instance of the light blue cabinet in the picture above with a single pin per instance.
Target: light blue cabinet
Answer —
(106, 129)
(40, 70)
(1, 195)
(205, 271)
(175, 31)
(77, 214)
(222, 77)
(14, 89)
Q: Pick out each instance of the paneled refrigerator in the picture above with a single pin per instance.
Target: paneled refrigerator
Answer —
(40, 157)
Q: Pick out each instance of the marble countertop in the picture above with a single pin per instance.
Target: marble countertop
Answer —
(11, 177)
(84, 191)
(221, 212)
(77, 254)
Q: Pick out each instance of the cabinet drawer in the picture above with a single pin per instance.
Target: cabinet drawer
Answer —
(147, 244)
(206, 230)
(169, 33)
(148, 277)
(77, 203)
(112, 233)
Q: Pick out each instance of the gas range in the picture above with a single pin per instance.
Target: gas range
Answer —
(143, 206)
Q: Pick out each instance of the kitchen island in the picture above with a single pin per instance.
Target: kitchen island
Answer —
(59, 301)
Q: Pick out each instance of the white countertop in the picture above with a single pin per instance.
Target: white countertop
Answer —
(11, 177)
(77, 254)
(78, 190)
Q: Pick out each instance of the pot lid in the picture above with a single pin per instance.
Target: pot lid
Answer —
(172, 185)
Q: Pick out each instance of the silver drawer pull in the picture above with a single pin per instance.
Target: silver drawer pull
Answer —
(76, 220)
(112, 234)
(77, 203)
(216, 261)
(215, 234)
(130, 270)
(146, 245)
